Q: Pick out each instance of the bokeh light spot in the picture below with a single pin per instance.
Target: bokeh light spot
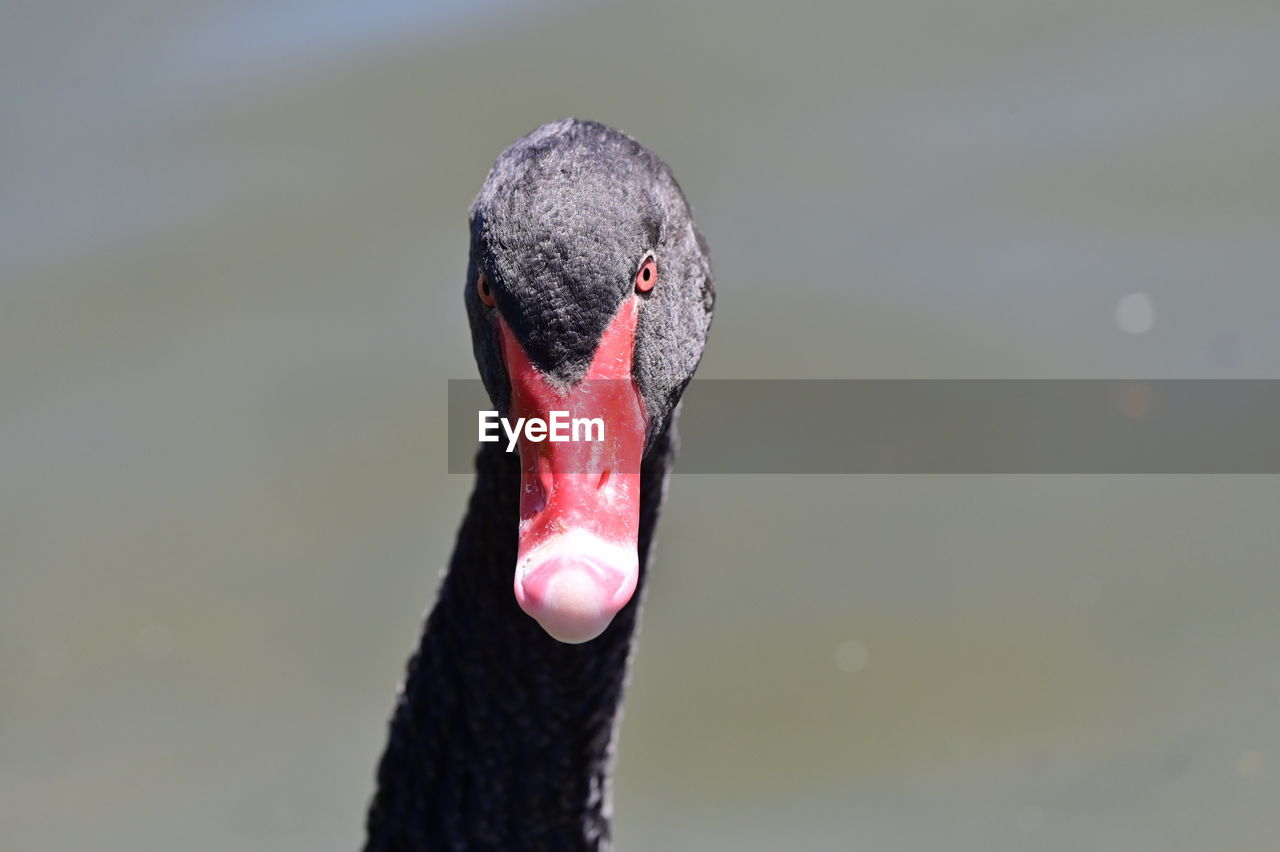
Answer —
(1135, 314)
(1136, 400)
(1249, 764)
(852, 656)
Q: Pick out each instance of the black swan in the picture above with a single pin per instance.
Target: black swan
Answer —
(588, 284)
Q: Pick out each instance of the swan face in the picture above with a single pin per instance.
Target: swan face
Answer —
(589, 290)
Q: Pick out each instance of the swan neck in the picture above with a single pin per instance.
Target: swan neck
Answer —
(501, 731)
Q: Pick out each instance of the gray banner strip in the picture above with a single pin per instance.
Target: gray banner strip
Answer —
(956, 426)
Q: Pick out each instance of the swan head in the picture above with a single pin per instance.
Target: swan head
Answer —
(589, 292)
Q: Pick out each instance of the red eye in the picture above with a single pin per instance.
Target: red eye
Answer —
(483, 291)
(647, 275)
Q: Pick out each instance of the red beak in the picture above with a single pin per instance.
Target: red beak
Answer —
(577, 563)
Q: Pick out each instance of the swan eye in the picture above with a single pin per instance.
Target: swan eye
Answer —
(647, 275)
(483, 290)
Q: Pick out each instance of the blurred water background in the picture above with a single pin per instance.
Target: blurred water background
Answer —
(232, 245)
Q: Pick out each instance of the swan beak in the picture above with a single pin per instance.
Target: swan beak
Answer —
(575, 583)
(577, 563)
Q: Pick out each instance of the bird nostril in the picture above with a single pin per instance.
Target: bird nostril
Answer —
(545, 475)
